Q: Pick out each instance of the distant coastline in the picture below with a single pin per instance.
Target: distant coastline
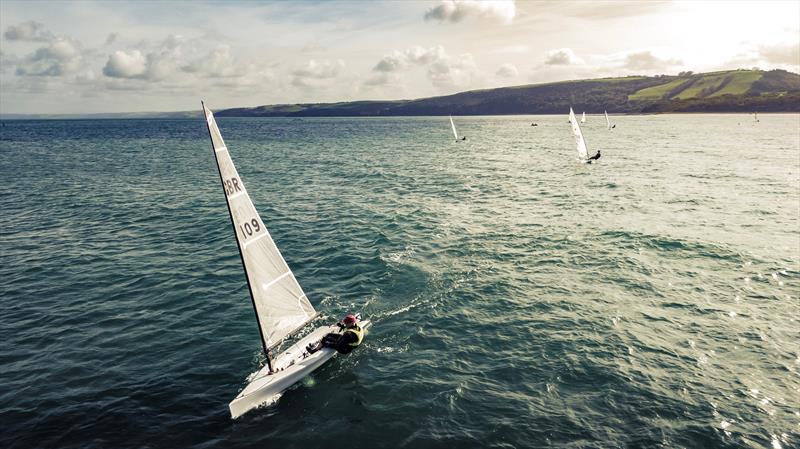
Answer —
(736, 91)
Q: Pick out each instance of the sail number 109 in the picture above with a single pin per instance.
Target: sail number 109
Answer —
(250, 227)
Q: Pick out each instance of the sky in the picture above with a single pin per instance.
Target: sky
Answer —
(60, 57)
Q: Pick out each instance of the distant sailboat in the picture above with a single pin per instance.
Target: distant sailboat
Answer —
(583, 117)
(580, 142)
(608, 122)
(455, 134)
(282, 308)
(755, 116)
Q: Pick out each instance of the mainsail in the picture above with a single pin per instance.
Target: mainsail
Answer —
(608, 122)
(583, 118)
(453, 125)
(281, 306)
(583, 152)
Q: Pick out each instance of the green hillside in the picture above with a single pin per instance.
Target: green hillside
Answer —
(729, 91)
(716, 84)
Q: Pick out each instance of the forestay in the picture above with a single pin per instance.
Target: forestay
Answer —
(583, 152)
(280, 303)
(453, 125)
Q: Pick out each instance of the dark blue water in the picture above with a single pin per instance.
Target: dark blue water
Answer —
(519, 300)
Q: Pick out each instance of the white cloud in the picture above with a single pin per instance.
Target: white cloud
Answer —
(401, 60)
(507, 71)
(316, 74)
(122, 64)
(59, 57)
(443, 70)
(218, 63)
(561, 56)
(28, 31)
(458, 10)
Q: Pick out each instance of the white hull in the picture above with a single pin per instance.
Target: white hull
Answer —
(290, 367)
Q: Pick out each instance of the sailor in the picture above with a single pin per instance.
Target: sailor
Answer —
(464, 138)
(595, 157)
(343, 342)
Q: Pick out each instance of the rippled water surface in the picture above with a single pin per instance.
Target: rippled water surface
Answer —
(519, 300)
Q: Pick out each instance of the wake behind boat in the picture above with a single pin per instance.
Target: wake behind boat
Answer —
(282, 308)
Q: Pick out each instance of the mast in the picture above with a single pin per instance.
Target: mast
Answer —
(238, 245)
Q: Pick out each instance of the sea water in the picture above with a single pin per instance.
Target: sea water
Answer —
(519, 299)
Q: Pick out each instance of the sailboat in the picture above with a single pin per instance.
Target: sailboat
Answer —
(583, 117)
(608, 122)
(755, 116)
(455, 134)
(580, 142)
(282, 308)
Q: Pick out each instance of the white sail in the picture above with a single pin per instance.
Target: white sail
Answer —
(281, 306)
(583, 118)
(608, 122)
(453, 125)
(580, 142)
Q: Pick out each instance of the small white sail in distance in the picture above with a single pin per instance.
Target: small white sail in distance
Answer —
(453, 125)
(608, 122)
(580, 142)
(583, 117)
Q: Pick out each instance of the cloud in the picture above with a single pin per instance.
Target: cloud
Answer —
(28, 31)
(443, 70)
(135, 65)
(646, 60)
(122, 64)
(507, 71)
(781, 54)
(111, 38)
(316, 74)
(561, 56)
(458, 10)
(383, 79)
(59, 57)
(401, 60)
(451, 72)
(218, 63)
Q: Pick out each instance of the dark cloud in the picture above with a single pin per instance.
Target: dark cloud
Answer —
(648, 61)
(28, 31)
(59, 57)
(507, 71)
(451, 72)
(561, 56)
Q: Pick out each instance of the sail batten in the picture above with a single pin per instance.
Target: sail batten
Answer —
(280, 304)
